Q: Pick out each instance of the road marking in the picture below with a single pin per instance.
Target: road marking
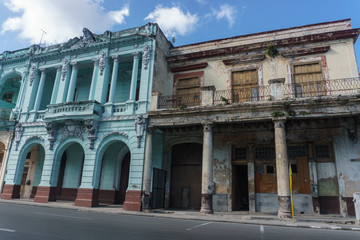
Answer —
(6, 230)
(197, 226)
(56, 215)
(262, 232)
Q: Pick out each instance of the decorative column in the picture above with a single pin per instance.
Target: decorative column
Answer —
(134, 77)
(114, 79)
(207, 185)
(56, 85)
(282, 169)
(71, 91)
(147, 169)
(40, 90)
(94, 79)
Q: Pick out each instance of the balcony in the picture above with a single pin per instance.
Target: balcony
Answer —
(277, 90)
(80, 111)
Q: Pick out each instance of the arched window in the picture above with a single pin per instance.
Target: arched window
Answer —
(8, 97)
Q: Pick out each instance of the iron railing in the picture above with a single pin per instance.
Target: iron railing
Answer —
(331, 87)
(178, 101)
(244, 94)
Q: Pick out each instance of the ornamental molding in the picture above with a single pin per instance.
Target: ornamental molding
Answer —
(64, 69)
(32, 74)
(102, 62)
(115, 134)
(139, 128)
(51, 132)
(146, 56)
(72, 128)
(19, 130)
(91, 127)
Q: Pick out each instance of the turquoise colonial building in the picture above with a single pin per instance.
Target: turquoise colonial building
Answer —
(79, 116)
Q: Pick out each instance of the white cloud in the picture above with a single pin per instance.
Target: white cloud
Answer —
(60, 19)
(173, 20)
(226, 11)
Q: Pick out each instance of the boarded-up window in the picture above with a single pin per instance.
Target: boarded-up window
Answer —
(188, 91)
(323, 153)
(308, 80)
(245, 85)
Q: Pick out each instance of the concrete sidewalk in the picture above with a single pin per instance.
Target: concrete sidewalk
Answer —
(334, 222)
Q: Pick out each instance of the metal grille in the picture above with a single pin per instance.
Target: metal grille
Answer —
(240, 154)
(243, 94)
(322, 151)
(296, 151)
(265, 153)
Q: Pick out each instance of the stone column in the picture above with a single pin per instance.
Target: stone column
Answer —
(251, 177)
(147, 169)
(94, 79)
(207, 185)
(134, 77)
(282, 170)
(56, 85)
(71, 91)
(40, 90)
(114, 79)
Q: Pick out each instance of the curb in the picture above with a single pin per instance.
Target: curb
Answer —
(203, 217)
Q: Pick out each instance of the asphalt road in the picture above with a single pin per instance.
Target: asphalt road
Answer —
(31, 222)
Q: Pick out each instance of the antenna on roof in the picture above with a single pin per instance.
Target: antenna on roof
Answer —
(42, 35)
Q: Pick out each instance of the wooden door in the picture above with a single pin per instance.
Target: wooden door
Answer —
(303, 173)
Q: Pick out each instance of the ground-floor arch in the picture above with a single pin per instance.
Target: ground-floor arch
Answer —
(114, 175)
(70, 171)
(32, 171)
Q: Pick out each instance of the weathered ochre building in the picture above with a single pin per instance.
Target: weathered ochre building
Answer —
(233, 115)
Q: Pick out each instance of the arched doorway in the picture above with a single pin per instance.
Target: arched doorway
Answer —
(114, 176)
(31, 175)
(70, 172)
(185, 189)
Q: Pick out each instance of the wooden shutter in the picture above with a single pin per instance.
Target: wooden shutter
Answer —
(308, 80)
(245, 85)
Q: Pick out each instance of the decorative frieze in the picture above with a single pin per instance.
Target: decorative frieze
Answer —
(72, 128)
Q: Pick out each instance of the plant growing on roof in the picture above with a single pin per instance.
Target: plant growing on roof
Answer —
(225, 100)
(271, 50)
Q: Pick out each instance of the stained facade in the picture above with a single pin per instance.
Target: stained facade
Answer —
(80, 117)
(236, 114)
(127, 118)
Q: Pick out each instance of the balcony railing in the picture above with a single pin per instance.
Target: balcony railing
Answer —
(73, 110)
(333, 87)
(275, 91)
(245, 94)
(184, 100)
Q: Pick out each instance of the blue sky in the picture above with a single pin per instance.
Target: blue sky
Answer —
(190, 21)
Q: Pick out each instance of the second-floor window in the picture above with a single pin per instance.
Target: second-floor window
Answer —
(188, 91)
(245, 85)
(308, 80)
(8, 97)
